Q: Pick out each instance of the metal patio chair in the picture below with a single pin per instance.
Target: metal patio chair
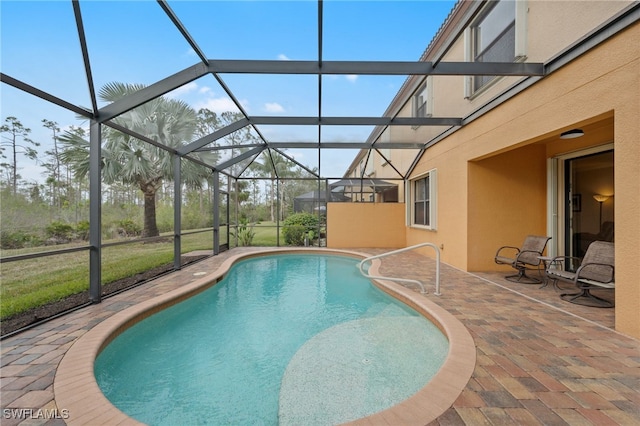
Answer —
(596, 270)
(523, 258)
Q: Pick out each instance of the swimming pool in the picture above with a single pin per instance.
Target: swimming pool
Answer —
(75, 387)
(287, 339)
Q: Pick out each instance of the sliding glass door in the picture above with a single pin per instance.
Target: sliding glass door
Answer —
(588, 201)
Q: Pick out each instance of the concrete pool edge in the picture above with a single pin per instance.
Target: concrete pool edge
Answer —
(76, 389)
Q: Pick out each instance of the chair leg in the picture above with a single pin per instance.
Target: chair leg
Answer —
(522, 277)
(585, 298)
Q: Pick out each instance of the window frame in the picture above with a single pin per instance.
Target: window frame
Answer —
(430, 201)
(520, 42)
(425, 90)
(369, 168)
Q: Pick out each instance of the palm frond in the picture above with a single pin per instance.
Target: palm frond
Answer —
(114, 90)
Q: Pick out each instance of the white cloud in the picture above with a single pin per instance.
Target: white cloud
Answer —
(183, 90)
(204, 89)
(220, 105)
(273, 107)
(349, 77)
(283, 57)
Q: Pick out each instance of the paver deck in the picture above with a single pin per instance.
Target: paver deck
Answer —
(540, 360)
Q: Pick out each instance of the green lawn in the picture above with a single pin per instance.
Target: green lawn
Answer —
(266, 235)
(35, 282)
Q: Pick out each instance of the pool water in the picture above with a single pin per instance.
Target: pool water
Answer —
(282, 339)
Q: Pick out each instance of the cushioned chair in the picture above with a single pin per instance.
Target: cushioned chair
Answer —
(523, 258)
(596, 270)
(582, 240)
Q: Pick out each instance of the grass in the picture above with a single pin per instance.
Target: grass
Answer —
(265, 234)
(35, 282)
(31, 283)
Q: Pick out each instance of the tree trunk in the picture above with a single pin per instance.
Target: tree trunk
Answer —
(149, 189)
(150, 226)
(271, 197)
(14, 168)
(282, 200)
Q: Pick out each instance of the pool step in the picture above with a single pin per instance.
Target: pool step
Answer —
(357, 368)
(384, 310)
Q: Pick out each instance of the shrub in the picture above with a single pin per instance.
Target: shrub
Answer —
(294, 235)
(245, 234)
(17, 239)
(297, 226)
(82, 230)
(59, 233)
(128, 228)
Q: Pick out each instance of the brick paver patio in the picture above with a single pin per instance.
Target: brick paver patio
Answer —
(540, 360)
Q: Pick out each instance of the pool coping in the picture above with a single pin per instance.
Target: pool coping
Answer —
(76, 389)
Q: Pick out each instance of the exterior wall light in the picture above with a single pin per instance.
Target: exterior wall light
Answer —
(571, 134)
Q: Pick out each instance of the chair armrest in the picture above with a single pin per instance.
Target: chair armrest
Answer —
(536, 256)
(587, 266)
(584, 283)
(507, 247)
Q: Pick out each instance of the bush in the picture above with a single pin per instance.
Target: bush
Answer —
(59, 233)
(245, 234)
(297, 226)
(82, 230)
(128, 228)
(294, 235)
(18, 240)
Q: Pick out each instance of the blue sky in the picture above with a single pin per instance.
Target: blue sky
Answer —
(135, 42)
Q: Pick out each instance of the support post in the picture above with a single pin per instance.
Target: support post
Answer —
(216, 212)
(95, 212)
(177, 211)
(277, 212)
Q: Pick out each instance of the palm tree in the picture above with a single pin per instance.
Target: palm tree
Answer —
(131, 161)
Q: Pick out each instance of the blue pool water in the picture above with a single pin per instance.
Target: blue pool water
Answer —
(282, 339)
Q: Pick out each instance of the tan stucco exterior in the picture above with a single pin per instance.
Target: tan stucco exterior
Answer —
(365, 225)
(551, 26)
(494, 173)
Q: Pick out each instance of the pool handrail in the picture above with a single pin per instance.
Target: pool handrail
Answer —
(423, 290)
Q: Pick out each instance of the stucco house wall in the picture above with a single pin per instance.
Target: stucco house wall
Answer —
(365, 225)
(493, 171)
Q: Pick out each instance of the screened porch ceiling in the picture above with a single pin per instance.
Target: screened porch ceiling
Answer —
(318, 131)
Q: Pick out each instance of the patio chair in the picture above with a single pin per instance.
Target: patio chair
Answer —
(596, 270)
(523, 258)
(582, 240)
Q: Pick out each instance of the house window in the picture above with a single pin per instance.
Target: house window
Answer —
(424, 200)
(369, 169)
(422, 101)
(385, 153)
(497, 35)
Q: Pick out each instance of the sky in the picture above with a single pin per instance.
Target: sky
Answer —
(135, 42)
